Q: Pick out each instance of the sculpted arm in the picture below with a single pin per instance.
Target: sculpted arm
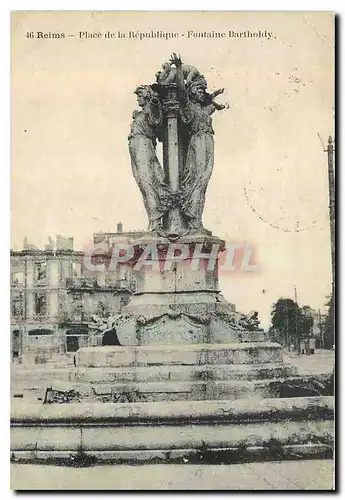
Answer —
(211, 108)
(182, 93)
(211, 104)
(216, 93)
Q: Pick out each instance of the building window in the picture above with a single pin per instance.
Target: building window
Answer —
(17, 308)
(66, 269)
(76, 269)
(18, 278)
(40, 271)
(78, 313)
(62, 303)
(40, 304)
(40, 331)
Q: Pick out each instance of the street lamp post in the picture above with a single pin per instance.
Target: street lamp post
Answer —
(331, 188)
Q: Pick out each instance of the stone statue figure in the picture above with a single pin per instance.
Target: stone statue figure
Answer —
(168, 75)
(196, 108)
(146, 168)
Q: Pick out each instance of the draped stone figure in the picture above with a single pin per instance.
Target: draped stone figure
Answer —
(146, 167)
(196, 109)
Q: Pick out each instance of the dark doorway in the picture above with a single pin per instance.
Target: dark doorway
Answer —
(15, 344)
(110, 338)
(72, 343)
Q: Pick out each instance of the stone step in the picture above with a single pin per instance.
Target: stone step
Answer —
(214, 455)
(180, 354)
(109, 438)
(188, 426)
(23, 378)
(303, 408)
(172, 390)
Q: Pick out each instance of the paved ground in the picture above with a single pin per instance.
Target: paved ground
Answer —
(320, 362)
(290, 475)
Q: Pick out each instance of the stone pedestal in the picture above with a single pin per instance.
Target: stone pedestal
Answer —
(178, 298)
(187, 372)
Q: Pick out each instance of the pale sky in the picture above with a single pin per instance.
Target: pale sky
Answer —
(72, 101)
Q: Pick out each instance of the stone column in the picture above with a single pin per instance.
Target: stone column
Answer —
(173, 223)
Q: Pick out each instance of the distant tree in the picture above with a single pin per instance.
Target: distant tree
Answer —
(285, 322)
(329, 325)
(289, 322)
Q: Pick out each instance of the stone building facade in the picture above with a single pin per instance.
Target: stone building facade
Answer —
(54, 298)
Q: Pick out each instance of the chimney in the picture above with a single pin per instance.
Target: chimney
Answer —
(63, 243)
(50, 245)
(119, 227)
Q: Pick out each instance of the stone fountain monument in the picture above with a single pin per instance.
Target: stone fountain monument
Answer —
(177, 298)
(177, 308)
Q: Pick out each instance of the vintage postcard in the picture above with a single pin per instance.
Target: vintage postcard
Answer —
(172, 250)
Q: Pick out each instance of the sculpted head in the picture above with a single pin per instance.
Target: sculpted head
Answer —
(144, 94)
(196, 91)
(161, 75)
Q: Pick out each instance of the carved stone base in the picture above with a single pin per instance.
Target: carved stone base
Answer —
(168, 318)
(178, 300)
